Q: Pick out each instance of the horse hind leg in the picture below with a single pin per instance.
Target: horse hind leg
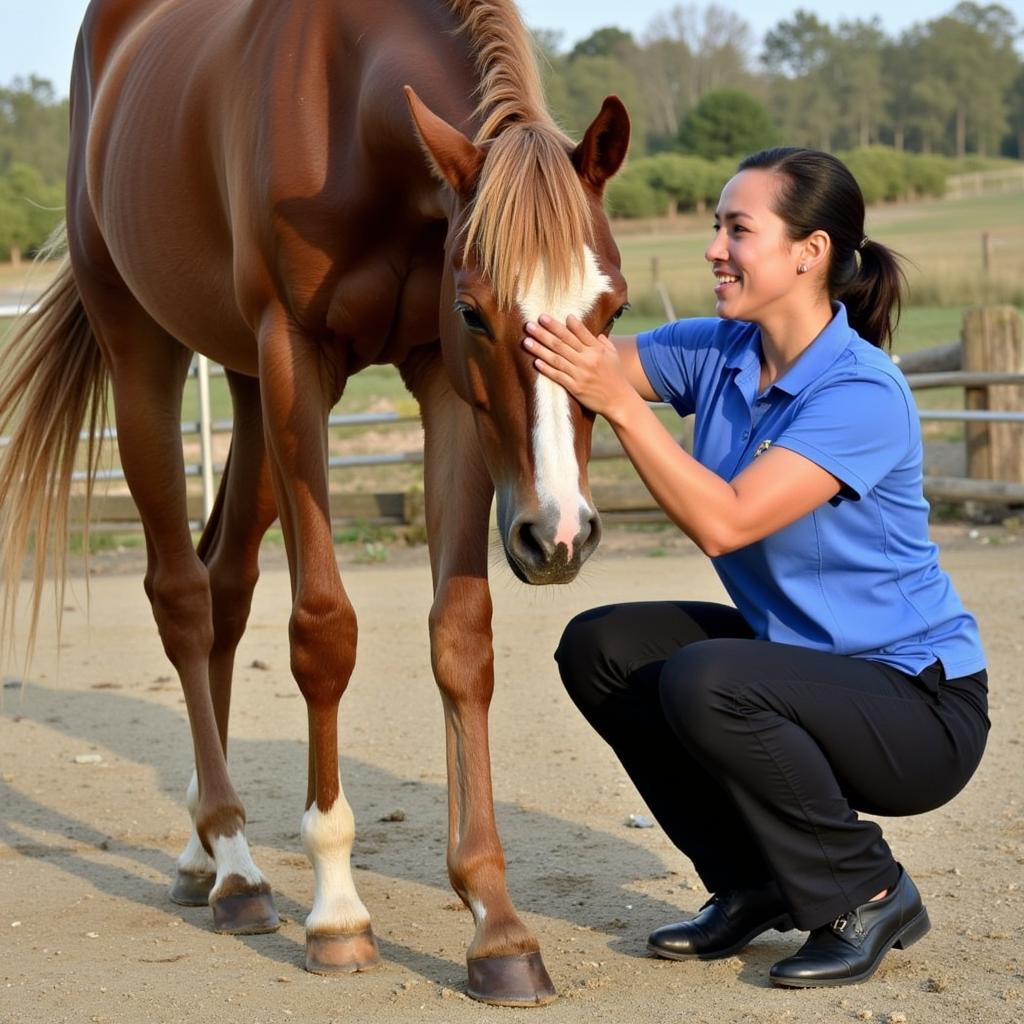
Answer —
(229, 547)
(147, 369)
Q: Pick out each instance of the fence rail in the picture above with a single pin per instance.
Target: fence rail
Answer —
(623, 500)
(920, 370)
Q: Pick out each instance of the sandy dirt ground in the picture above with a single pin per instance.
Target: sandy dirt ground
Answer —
(87, 933)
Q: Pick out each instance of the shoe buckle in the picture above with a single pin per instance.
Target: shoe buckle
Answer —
(840, 923)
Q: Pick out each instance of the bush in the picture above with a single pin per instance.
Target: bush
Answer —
(927, 175)
(881, 172)
(631, 195)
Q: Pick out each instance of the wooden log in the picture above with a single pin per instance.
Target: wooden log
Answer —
(936, 359)
(993, 342)
(957, 489)
(630, 496)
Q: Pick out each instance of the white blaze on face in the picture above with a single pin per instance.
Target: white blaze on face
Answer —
(554, 453)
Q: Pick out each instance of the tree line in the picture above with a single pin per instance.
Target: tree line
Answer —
(701, 91)
(33, 154)
(950, 86)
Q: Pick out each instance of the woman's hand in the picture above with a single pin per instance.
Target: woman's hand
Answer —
(587, 366)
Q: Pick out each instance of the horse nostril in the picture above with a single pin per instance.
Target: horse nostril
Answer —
(589, 536)
(528, 545)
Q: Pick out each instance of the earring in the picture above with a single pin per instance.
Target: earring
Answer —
(802, 269)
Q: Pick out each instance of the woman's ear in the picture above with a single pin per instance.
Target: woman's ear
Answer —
(815, 249)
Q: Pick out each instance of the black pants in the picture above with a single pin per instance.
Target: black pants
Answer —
(755, 756)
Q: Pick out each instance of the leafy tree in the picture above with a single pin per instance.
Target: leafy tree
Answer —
(34, 128)
(586, 81)
(727, 123)
(797, 48)
(548, 42)
(685, 53)
(1015, 101)
(604, 42)
(803, 98)
(855, 68)
(29, 210)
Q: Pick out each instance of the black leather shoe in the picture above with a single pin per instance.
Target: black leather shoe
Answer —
(850, 948)
(723, 926)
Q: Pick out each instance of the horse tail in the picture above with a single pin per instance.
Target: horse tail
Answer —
(53, 378)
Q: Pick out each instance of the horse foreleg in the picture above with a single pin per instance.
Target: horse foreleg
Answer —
(322, 631)
(229, 547)
(503, 958)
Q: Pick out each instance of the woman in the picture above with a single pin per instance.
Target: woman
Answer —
(848, 676)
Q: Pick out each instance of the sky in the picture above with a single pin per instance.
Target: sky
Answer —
(38, 36)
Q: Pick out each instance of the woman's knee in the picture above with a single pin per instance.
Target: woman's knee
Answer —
(698, 687)
(583, 657)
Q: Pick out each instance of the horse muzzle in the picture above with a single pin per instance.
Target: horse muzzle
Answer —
(539, 553)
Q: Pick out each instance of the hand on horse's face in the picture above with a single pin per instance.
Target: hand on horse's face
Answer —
(586, 365)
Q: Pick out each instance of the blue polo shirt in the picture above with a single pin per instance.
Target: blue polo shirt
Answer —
(859, 575)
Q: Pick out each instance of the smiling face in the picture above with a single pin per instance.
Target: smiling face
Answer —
(754, 262)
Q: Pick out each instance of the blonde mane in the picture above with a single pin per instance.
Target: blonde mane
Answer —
(529, 199)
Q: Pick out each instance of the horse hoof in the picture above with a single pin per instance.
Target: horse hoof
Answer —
(511, 980)
(341, 954)
(245, 913)
(191, 890)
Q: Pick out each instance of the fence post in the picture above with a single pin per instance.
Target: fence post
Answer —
(205, 435)
(993, 341)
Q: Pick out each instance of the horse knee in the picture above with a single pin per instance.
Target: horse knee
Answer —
(181, 605)
(322, 632)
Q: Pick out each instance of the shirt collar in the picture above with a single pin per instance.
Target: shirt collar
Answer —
(820, 354)
(813, 362)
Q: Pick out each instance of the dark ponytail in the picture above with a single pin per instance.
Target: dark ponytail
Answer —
(818, 193)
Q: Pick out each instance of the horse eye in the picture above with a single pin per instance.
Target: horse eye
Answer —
(615, 316)
(472, 319)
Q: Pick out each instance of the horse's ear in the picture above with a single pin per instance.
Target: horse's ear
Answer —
(454, 158)
(604, 145)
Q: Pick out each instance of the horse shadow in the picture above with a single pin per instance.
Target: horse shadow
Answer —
(544, 852)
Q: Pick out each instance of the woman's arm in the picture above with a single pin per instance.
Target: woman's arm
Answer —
(720, 516)
(632, 368)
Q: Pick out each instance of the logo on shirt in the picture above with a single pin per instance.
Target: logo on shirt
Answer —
(762, 448)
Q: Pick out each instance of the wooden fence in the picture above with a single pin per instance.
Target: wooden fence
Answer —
(988, 363)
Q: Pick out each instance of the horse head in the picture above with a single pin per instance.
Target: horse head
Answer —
(527, 234)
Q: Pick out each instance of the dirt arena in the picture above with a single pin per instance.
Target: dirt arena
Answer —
(87, 933)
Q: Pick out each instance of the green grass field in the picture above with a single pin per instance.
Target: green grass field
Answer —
(941, 240)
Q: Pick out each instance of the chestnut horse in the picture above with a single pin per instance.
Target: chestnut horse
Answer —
(246, 181)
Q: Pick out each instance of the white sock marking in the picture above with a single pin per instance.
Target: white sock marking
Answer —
(233, 858)
(554, 455)
(194, 860)
(327, 838)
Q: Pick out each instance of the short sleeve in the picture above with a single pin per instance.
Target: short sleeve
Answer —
(858, 429)
(672, 356)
